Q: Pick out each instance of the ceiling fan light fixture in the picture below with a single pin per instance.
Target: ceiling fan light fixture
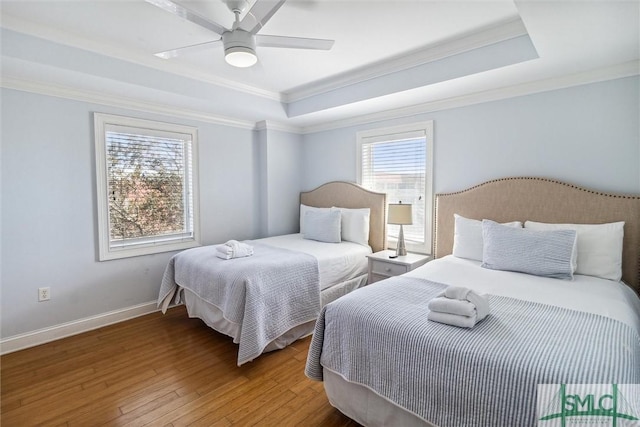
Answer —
(240, 56)
(239, 48)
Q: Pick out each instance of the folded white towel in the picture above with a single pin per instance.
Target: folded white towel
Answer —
(233, 249)
(224, 249)
(452, 319)
(466, 294)
(456, 292)
(458, 306)
(223, 255)
(239, 248)
(452, 306)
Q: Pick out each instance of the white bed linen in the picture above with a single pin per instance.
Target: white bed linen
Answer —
(337, 262)
(585, 293)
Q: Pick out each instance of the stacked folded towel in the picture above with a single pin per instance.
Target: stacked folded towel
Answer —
(233, 249)
(458, 306)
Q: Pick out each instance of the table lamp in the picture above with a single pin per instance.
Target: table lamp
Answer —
(400, 214)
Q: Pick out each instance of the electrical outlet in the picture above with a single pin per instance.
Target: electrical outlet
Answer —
(44, 294)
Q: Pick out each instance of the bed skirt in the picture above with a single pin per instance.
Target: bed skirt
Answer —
(350, 399)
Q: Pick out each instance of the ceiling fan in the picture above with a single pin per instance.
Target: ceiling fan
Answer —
(241, 40)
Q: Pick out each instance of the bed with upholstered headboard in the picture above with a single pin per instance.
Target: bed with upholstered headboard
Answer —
(542, 200)
(266, 293)
(384, 359)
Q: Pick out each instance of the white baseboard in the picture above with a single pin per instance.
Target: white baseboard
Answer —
(42, 336)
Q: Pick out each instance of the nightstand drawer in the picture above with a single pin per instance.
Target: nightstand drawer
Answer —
(387, 269)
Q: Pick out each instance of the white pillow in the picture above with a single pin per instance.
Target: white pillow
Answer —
(355, 225)
(467, 237)
(304, 209)
(546, 253)
(599, 247)
(322, 226)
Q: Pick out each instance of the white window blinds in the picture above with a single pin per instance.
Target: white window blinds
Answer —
(149, 195)
(148, 181)
(398, 162)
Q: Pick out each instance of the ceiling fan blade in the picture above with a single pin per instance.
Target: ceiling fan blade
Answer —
(190, 16)
(259, 14)
(293, 42)
(167, 54)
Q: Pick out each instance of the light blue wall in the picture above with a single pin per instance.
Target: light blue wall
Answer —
(284, 171)
(250, 182)
(587, 135)
(280, 171)
(49, 219)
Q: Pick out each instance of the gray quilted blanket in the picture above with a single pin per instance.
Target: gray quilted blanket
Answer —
(267, 293)
(379, 336)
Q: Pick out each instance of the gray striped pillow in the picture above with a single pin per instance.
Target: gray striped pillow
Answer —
(322, 226)
(541, 253)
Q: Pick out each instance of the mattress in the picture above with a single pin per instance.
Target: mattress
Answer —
(337, 262)
(585, 294)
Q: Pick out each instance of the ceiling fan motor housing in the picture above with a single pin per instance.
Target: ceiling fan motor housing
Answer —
(238, 38)
(239, 48)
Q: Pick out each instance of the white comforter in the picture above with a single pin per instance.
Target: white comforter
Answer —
(337, 262)
(585, 293)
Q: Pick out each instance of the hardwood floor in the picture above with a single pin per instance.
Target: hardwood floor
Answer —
(161, 370)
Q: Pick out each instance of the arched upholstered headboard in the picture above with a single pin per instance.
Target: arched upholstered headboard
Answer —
(542, 200)
(350, 195)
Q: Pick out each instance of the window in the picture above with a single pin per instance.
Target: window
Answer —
(399, 161)
(147, 186)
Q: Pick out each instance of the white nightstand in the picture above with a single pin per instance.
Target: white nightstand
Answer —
(381, 266)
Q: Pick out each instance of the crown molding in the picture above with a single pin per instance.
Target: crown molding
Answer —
(58, 91)
(627, 69)
(271, 125)
(501, 31)
(140, 58)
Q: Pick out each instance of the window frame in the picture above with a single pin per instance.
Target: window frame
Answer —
(418, 129)
(152, 244)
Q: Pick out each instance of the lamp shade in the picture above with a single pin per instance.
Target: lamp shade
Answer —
(400, 214)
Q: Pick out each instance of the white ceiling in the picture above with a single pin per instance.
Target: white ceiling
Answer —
(375, 41)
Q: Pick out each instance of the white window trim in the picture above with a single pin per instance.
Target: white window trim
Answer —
(381, 134)
(106, 250)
